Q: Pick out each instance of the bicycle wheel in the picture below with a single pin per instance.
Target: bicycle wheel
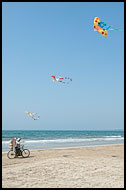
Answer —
(25, 153)
(11, 154)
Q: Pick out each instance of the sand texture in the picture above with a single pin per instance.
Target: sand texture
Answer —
(84, 167)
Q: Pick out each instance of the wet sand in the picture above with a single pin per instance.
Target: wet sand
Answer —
(84, 167)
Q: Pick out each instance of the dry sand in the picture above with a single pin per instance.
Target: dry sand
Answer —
(84, 167)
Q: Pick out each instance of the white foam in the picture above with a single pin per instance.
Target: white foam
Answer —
(118, 136)
(5, 142)
(70, 140)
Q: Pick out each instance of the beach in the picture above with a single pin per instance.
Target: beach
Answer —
(84, 167)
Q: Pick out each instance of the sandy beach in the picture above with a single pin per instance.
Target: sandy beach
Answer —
(84, 167)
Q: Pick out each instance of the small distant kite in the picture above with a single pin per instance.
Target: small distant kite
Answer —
(101, 27)
(65, 80)
(34, 116)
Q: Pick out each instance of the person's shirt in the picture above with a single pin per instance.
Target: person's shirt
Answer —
(18, 144)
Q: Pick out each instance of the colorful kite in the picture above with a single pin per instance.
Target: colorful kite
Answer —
(101, 27)
(34, 116)
(64, 80)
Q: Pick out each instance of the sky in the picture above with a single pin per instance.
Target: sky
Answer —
(43, 39)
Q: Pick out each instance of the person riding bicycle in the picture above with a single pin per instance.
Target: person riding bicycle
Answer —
(17, 148)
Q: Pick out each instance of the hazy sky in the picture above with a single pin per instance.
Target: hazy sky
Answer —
(43, 39)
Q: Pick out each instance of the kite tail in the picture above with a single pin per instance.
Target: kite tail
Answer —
(108, 28)
(115, 29)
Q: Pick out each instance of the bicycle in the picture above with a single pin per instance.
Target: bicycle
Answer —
(22, 152)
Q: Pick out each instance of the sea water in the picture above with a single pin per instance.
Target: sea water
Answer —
(45, 139)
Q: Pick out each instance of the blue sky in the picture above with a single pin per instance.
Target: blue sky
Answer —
(43, 39)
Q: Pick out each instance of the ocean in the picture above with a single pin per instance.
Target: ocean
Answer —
(48, 139)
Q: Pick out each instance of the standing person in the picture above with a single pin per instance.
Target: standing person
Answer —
(14, 143)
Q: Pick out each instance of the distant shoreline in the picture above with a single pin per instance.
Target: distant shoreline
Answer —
(62, 130)
(72, 147)
(44, 139)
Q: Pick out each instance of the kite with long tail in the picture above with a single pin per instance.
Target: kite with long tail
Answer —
(34, 116)
(101, 27)
(65, 80)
